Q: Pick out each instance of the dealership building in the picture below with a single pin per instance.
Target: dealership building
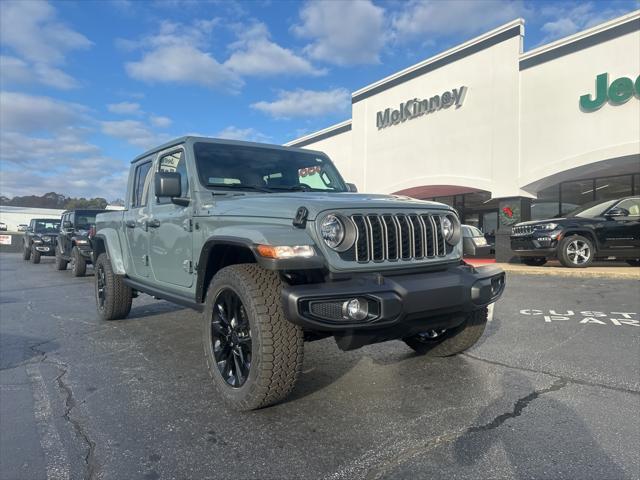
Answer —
(501, 134)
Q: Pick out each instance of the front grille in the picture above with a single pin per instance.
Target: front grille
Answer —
(522, 230)
(392, 237)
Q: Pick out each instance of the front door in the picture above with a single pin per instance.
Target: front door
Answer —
(170, 237)
(136, 219)
(622, 233)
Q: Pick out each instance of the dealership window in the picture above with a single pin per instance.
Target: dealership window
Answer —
(547, 205)
(610, 188)
(574, 194)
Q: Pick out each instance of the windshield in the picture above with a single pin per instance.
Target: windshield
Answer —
(591, 209)
(470, 231)
(47, 226)
(84, 221)
(263, 169)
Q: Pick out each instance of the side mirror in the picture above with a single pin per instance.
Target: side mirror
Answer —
(351, 187)
(618, 212)
(67, 225)
(167, 184)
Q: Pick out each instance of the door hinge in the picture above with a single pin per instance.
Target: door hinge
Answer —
(188, 266)
(188, 225)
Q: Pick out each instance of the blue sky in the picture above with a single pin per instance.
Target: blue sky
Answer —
(87, 85)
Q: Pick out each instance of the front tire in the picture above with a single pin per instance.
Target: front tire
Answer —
(254, 354)
(78, 263)
(113, 297)
(533, 261)
(35, 256)
(450, 342)
(61, 263)
(26, 253)
(576, 251)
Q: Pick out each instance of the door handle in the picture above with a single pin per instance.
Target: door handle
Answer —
(130, 224)
(155, 223)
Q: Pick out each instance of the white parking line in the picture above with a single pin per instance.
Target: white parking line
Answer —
(54, 453)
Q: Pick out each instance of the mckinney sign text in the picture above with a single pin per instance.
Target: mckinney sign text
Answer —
(416, 108)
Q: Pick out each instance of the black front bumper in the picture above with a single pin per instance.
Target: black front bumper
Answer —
(536, 245)
(45, 249)
(399, 305)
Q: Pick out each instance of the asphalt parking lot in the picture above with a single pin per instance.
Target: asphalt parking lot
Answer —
(552, 391)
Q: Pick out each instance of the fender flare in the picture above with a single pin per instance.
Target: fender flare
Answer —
(111, 241)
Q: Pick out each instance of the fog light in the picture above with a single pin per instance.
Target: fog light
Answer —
(355, 309)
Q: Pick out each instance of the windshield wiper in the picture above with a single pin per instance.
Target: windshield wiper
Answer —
(292, 188)
(240, 186)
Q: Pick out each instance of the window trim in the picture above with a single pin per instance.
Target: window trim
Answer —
(134, 190)
(164, 153)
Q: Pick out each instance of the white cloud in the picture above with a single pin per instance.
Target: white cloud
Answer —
(160, 121)
(29, 113)
(425, 19)
(255, 54)
(125, 108)
(306, 103)
(567, 18)
(342, 33)
(176, 54)
(134, 132)
(247, 134)
(31, 30)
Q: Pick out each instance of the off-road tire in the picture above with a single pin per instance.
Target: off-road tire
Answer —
(61, 263)
(118, 296)
(35, 256)
(276, 344)
(563, 254)
(455, 340)
(26, 253)
(533, 261)
(79, 264)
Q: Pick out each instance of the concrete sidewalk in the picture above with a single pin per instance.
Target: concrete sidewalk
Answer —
(617, 270)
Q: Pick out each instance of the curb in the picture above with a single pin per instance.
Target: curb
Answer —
(627, 273)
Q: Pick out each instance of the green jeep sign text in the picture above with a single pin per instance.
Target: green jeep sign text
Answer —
(617, 93)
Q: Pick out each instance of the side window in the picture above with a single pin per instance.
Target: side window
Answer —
(632, 205)
(141, 183)
(175, 162)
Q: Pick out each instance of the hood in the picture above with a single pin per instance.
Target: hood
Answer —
(559, 221)
(285, 205)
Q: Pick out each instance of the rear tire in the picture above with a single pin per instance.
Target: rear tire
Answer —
(576, 251)
(61, 263)
(78, 263)
(258, 328)
(26, 253)
(533, 261)
(113, 297)
(452, 341)
(35, 256)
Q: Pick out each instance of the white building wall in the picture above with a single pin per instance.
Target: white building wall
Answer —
(555, 134)
(516, 126)
(14, 216)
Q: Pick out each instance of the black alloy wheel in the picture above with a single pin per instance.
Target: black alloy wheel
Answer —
(231, 338)
(101, 285)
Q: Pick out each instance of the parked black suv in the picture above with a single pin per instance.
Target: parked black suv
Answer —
(601, 230)
(74, 243)
(40, 238)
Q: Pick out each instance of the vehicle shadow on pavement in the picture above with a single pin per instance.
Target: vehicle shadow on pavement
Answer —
(535, 449)
(151, 309)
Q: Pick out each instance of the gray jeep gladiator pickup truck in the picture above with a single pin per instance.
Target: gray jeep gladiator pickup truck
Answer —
(275, 249)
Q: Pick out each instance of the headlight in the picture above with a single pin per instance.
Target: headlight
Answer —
(37, 240)
(451, 229)
(81, 242)
(338, 232)
(546, 226)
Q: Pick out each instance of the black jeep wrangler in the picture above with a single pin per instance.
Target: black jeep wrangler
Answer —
(40, 238)
(74, 242)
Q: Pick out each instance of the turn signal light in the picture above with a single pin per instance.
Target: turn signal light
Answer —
(280, 252)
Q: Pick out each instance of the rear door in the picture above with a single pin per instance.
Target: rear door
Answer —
(170, 237)
(137, 216)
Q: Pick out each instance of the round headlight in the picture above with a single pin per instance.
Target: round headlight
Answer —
(451, 229)
(447, 228)
(332, 231)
